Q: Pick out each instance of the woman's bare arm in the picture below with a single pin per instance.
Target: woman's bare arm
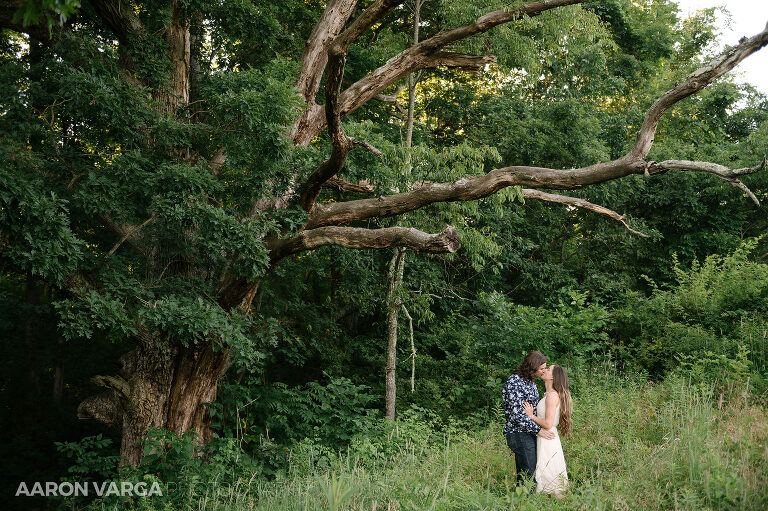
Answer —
(552, 400)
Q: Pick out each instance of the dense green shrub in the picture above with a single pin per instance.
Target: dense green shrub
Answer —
(714, 313)
(329, 413)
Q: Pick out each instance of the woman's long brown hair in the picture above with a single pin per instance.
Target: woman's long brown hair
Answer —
(560, 384)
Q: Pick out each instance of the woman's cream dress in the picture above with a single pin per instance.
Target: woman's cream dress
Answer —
(551, 475)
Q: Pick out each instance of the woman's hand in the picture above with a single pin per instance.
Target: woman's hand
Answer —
(528, 409)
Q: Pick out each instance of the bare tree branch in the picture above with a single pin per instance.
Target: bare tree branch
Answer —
(458, 60)
(130, 232)
(446, 241)
(326, 41)
(371, 15)
(315, 55)
(580, 203)
(466, 189)
(730, 175)
(693, 84)
(528, 193)
(368, 146)
(358, 237)
(342, 144)
(345, 186)
(476, 187)
(416, 57)
(392, 98)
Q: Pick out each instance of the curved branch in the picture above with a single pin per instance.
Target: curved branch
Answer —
(711, 168)
(392, 98)
(730, 175)
(580, 203)
(358, 237)
(315, 55)
(115, 383)
(325, 42)
(345, 186)
(469, 188)
(477, 187)
(446, 241)
(371, 15)
(693, 84)
(417, 56)
(342, 144)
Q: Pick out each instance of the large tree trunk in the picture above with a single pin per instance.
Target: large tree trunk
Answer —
(179, 52)
(161, 383)
(158, 386)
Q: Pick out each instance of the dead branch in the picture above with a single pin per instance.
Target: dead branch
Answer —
(358, 237)
(342, 144)
(345, 186)
(693, 84)
(477, 187)
(315, 56)
(729, 175)
(580, 203)
(415, 57)
(130, 232)
(460, 61)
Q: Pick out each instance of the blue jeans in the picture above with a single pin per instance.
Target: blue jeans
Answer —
(524, 447)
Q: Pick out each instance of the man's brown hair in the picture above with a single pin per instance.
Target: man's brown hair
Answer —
(530, 364)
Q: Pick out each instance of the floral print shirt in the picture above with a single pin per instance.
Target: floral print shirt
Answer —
(515, 391)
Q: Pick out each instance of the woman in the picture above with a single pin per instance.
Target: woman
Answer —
(555, 408)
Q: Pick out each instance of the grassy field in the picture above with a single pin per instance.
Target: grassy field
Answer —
(635, 446)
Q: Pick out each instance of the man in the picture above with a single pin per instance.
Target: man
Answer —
(520, 431)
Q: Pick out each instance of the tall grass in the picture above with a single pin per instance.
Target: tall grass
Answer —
(635, 446)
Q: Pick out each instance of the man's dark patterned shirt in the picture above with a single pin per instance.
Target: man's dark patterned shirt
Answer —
(515, 391)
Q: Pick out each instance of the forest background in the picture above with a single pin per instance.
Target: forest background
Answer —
(666, 313)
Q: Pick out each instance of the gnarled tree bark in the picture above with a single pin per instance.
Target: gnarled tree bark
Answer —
(158, 385)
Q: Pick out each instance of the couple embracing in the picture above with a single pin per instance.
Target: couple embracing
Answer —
(531, 428)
